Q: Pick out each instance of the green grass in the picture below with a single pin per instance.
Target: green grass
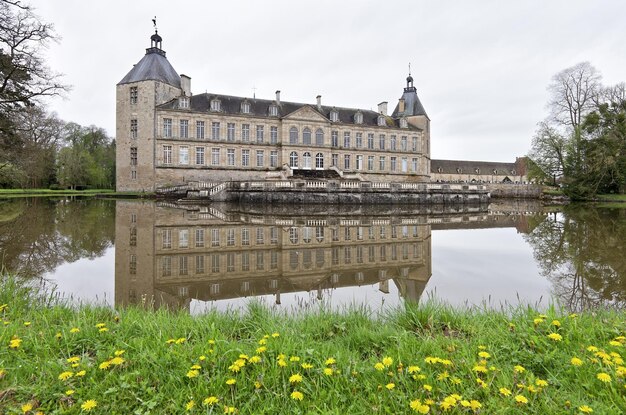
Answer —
(552, 191)
(612, 198)
(140, 361)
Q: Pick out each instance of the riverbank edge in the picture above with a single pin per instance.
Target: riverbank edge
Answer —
(99, 193)
(54, 357)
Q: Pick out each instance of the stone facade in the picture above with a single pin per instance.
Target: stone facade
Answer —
(467, 171)
(168, 136)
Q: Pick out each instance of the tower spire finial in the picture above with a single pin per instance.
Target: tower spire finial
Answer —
(155, 25)
(409, 62)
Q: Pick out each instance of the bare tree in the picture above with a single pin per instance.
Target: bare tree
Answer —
(574, 92)
(549, 150)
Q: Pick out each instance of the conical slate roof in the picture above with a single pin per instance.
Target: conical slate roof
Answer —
(412, 104)
(154, 66)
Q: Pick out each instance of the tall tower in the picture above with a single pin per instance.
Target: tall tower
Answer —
(151, 82)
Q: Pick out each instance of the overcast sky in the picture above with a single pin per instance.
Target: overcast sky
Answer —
(481, 68)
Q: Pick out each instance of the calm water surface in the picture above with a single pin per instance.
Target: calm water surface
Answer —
(220, 256)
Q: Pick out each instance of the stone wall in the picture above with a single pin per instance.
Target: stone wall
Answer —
(523, 191)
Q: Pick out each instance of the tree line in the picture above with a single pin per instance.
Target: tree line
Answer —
(37, 149)
(581, 145)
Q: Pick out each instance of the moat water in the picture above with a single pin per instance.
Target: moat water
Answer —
(222, 256)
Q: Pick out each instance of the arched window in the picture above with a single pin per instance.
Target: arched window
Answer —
(319, 161)
(293, 159)
(358, 118)
(293, 135)
(381, 120)
(306, 160)
(307, 234)
(216, 105)
(319, 137)
(273, 111)
(403, 123)
(306, 136)
(334, 116)
(245, 107)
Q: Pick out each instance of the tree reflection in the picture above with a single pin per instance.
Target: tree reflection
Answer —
(581, 251)
(39, 234)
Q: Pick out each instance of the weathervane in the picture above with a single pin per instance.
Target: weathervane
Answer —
(409, 68)
(155, 26)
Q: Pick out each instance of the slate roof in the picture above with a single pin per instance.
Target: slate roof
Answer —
(412, 104)
(260, 107)
(154, 66)
(469, 167)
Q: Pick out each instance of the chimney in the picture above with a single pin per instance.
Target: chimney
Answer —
(382, 108)
(277, 97)
(319, 102)
(401, 105)
(185, 83)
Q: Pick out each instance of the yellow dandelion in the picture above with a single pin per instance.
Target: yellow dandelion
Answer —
(196, 367)
(556, 323)
(230, 409)
(261, 349)
(475, 405)
(275, 335)
(576, 361)
(615, 343)
(15, 343)
(202, 358)
(58, 336)
(481, 383)
(193, 373)
(480, 369)
(119, 352)
(427, 387)
(294, 359)
(585, 409)
(541, 383)
(505, 392)
(262, 342)
(521, 399)
(555, 336)
(443, 375)
(89, 404)
(306, 366)
(189, 406)
(81, 373)
(379, 366)
(27, 407)
(390, 386)
(66, 375)
(538, 321)
(103, 329)
(484, 355)
(604, 377)
(231, 381)
(282, 363)
(74, 330)
(328, 371)
(73, 359)
(234, 368)
(117, 361)
(519, 369)
(296, 378)
(592, 349)
(105, 365)
(180, 340)
(297, 396)
(257, 384)
(69, 392)
(387, 361)
(211, 400)
(100, 325)
(255, 359)
(413, 369)
(419, 407)
(330, 361)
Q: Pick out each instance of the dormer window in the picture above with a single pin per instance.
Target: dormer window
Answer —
(245, 107)
(358, 118)
(381, 121)
(216, 105)
(334, 116)
(403, 123)
(273, 111)
(183, 102)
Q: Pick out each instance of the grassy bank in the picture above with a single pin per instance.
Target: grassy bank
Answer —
(423, 359)
(9, 193)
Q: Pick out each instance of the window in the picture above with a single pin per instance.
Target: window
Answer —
(381, 163)
(260, 236)
(293, 135)
(273, 235)
(230, 237)
(167, 238)
(414, 143)
(183, 238)
(370, 162)
(200, 130)
(403, 123)
(346, 161)
(183, 155)
(381, 121)
(216, 105)
(334, 139)
(230, 131)
(199, 238)
(319, 137)
(230, 156)
(414, 165)
(230, 262)
(245, 132)
(319, 161)
(215, 237)
(183, 102)
(393, 163)
(392, 145)
(293, 235)
(334, 160)
(184, 129)
(370, 141)
(133, 174)
(199, 264)
(183, 268)
(215, 130)
(260, 130)
(133, 264)
(306, 158)
(245, 236)
(215, 156)
(167, 127)
(273, 111)
(167, 154)
(273, 158)
(403, 143)
(133, 156)
(215, 267)
(133, 94)
(200, 156)
(346, 139)
(259, 158)
(245, 107)
(405, 165)
(245, 158)
(381, 141)
(334, 116)
(306, 136)
(359, 140)
(273, 135)
(358, 118)
(359, 162)
(167, 266)
(293, 159)
(133, 128)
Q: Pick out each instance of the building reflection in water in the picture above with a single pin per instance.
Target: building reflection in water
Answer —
(168, 255)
